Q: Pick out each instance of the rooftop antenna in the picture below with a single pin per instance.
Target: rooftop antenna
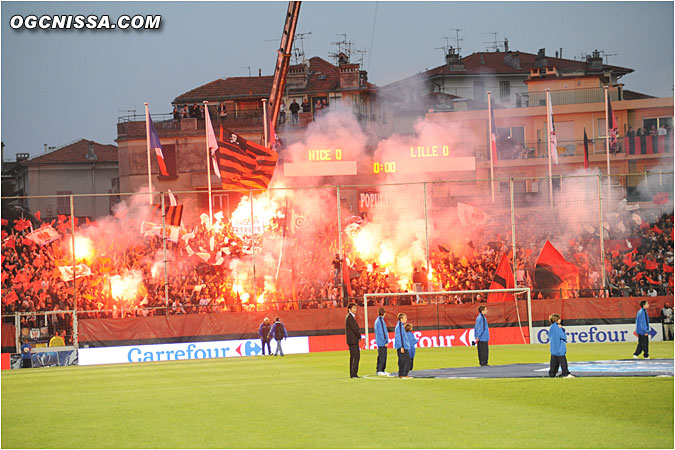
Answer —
(299, 55)
(249, 69)
(445, 47)
(362, 53)
(344, 46)
(495, 44)
(458, 40)
(607, 55)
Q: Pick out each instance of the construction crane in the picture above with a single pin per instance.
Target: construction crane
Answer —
(283, 60)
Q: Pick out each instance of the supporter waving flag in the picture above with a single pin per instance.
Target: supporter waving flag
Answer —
(552, 271)
(503, 279)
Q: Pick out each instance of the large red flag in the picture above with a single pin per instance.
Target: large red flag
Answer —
(651, 265)
(503, 279)
(552, 271)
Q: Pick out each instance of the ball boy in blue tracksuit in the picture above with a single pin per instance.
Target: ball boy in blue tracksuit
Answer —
(558, 340)
(412, 342)
(482, 334)
(642, 330)
(400, 344)
(381, 339)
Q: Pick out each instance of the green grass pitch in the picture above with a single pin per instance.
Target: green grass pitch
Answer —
(308, 401)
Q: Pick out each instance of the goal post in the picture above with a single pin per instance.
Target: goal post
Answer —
(439, 296)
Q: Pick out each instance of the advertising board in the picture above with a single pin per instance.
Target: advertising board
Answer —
(185, 350)
(598, 333)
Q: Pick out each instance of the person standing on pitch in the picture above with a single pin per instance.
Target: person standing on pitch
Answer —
(264, 333)
(381, 339)
(400, 344)
(558, 340)
(412, 342)
(353, 337)
(279, 332)
(482, 334)
(642, 330)
(26, 358)
(667, 322)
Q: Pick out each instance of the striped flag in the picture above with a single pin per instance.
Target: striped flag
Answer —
(172, 214)
(243, 164)
(154, 144)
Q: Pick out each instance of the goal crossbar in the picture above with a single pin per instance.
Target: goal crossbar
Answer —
(517, 290)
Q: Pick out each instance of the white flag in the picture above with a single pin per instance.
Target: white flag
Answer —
(551, 126)
(212, 142)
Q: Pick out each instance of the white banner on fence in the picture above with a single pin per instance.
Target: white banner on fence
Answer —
(599, 333)
(43, 235)
(186, 350)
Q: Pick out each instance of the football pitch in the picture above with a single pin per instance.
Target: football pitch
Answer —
(308, 401)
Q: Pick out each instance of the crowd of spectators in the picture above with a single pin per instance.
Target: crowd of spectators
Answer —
(206, 280)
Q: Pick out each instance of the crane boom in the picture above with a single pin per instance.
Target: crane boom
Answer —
(283, 60)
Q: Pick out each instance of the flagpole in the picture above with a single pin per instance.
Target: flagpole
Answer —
(208, 157)
(548, 133)
(607, 140)
(265, 132)
(492, 165)
(147, 141)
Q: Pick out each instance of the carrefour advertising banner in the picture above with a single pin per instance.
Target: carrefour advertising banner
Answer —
(187, 350)
(599, 333)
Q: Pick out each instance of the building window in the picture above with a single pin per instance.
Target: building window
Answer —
(63, 203)
(505, 91)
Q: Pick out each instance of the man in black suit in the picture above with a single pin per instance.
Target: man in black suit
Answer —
(353, 337)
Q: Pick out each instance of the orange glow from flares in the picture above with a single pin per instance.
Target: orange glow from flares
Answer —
(84, 249)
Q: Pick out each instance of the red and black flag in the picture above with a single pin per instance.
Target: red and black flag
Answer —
(503, 279)
(552, 271)
(586, 165)
(172, 214)
(243, 164)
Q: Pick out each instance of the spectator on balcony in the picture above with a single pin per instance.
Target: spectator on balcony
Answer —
(631, 140)
(654, 133)
(294, 108)
(176, 113)
(185, 111)
(222, 110)
(306, 107)
(642, 137)
(282, 112)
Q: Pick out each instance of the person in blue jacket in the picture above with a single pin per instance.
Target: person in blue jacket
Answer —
(412, 342)
(264, 333)
(278, 332)
(642, 330)
(400, 344)
(381, 339)
(26, 357)
(482, 334)
(558, 340)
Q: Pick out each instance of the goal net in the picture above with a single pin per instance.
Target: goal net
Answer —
(453, 311)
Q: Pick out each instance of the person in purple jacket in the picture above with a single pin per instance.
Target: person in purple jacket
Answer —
(558, 340)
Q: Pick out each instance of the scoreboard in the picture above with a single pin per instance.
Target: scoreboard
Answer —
(413, 159)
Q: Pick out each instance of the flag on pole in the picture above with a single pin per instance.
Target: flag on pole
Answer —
(154, 144)
(493, 132)
(212, 142)
(553, 149)
(503, 279)
(586, 164)
(244, 164)
(612, 126)
(552, 271)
